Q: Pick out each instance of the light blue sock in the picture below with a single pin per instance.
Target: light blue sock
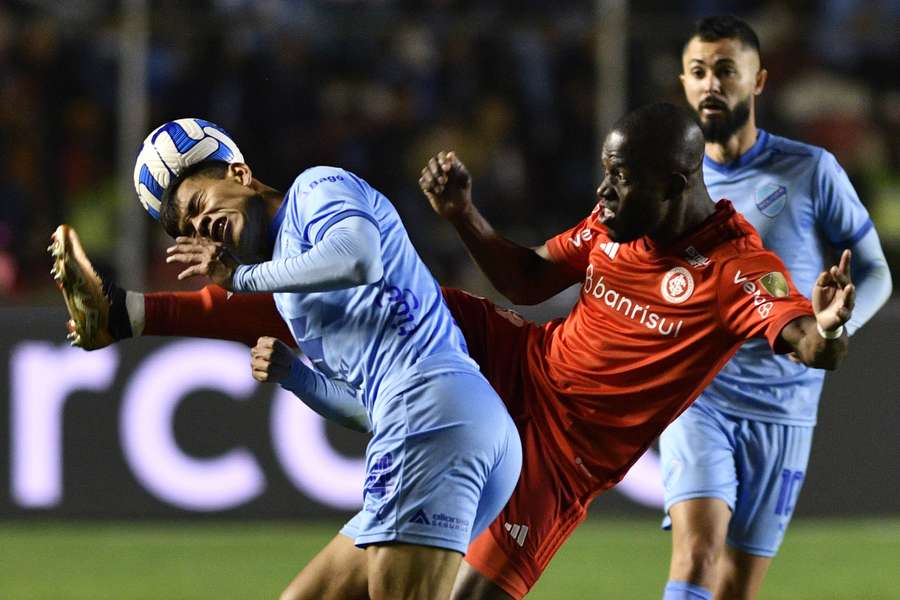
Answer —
(682, 590)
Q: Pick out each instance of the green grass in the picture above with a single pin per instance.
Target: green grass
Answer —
(605, 559)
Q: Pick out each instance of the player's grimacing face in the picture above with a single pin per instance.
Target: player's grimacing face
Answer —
(222, 210)
(630, 200)
(719, 79)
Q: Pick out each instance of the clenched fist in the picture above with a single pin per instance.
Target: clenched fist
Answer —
(271, 360)
(447, 185)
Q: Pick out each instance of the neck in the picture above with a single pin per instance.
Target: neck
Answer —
(694, 208)
(272, 200)
(736, 146)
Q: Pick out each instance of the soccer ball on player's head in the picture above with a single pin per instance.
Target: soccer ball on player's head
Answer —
(170, 149)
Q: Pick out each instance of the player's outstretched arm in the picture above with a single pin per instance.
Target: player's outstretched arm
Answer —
(348, 255)
(524, 275)
(272, 361)
(821, 342)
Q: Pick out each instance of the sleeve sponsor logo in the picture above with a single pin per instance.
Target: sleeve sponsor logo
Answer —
(677, 285)
(582, 236)
(774, 280)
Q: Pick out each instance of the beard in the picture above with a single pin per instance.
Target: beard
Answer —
(719, 129)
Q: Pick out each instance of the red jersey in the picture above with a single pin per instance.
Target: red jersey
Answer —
(652, 327)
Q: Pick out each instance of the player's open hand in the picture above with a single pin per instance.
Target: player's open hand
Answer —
(447, 185)
(271, 360)
(205, 257)
(834, 295)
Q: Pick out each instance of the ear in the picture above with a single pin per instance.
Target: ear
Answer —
(240, 172)
(761, 76)
(675, 186)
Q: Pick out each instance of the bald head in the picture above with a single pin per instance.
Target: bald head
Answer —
(663, 137)
(653, 182)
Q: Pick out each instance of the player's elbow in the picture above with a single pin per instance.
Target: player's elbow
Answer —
(366, 270)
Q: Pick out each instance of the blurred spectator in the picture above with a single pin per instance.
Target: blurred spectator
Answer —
(378, 87)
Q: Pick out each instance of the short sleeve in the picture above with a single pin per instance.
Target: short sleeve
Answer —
(757, 298)
(326, 196)
(839, 213)
(572, 248)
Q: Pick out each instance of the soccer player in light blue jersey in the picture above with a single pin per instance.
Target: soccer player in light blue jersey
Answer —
(445, 455)
(734, 462)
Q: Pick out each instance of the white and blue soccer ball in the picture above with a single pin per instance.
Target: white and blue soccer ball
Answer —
(170, 149)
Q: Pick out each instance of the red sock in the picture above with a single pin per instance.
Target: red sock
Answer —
(211, 313)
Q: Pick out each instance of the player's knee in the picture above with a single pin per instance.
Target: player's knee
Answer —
(696, 559)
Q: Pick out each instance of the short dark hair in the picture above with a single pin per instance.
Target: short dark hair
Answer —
(168, 215)
(715, 28)
(664, 136)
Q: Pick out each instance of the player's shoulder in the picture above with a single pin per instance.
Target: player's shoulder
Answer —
(313, 177)
(725, 233)
(588, 232)
(786, 149)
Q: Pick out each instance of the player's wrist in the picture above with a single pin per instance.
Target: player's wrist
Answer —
(830, 334)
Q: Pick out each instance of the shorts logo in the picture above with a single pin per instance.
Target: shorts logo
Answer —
(518, 532)
(420, 517)
(771, 199)
(775, 283)
(380, 480)
(677, 285)
(440, 520)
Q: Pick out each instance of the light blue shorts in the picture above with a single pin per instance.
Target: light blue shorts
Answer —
(757, 468)
(443, 461)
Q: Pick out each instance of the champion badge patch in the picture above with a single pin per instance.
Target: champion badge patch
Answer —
(775, 283)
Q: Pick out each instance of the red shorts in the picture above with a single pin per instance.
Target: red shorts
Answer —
(551, 498)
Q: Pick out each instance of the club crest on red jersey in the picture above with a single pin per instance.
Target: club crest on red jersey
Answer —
(677, 285)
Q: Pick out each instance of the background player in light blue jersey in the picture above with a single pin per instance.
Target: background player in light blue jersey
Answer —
(734, 462)
(445, 455)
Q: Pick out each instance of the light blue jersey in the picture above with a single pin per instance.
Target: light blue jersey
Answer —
(372, 335)
(444, 455)
(805, 209)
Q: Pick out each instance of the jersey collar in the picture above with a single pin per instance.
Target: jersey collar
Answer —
(743, 160)
(709, 228)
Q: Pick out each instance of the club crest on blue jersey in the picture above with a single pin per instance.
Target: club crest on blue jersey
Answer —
(771, 199)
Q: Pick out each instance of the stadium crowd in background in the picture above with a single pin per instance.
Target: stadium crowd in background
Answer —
(512, 88)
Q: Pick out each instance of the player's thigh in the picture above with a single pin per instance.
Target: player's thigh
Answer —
(548, 503)
(697, 452)
(772, 459)
(338, 572)
(411, 572)
(472, 585)
(740, 575)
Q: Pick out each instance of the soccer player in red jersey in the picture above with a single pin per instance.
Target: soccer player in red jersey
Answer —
(672, 284)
